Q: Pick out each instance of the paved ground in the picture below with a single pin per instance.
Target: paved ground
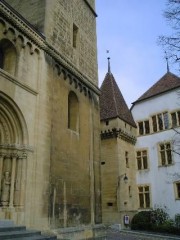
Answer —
(122, 236)
(114, 235)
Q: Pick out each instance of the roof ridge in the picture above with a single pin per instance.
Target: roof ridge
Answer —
(167, 82)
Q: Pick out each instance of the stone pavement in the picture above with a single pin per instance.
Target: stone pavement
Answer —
(133, 235)
(122, 236)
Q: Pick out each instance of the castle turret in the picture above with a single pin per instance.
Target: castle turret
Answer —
(118, 137)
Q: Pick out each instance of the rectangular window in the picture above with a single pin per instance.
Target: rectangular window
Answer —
(175, 119)
(144, 196)
(160, 121)
(144, 127)
(141, 130)
(147, 128)
(142, 160)
(166, 120)
(165, 154)
(178, 114)
(109, 204)
(154, 123)
(177, 190)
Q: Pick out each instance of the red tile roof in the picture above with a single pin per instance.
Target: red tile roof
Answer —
(112, 103)
(167, 83)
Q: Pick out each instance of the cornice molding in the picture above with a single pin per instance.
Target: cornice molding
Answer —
(118, 133)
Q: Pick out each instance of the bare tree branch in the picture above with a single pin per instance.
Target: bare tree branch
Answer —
(172, 43)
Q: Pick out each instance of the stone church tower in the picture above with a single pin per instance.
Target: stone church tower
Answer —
(118, 166)
(49, 113)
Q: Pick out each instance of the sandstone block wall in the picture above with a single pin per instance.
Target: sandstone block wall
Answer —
(56, 20)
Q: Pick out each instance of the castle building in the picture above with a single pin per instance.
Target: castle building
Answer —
(157, 115)
(140, 165)
(118, 165)
(49, 114)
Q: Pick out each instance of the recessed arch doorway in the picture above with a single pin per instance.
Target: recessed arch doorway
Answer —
(13, 154)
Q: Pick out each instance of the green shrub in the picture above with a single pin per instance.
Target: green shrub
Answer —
(177, 220)
(141, 221)
(156, 220)
(159, 216)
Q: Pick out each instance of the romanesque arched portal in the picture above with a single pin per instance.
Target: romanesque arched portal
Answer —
(13, 154)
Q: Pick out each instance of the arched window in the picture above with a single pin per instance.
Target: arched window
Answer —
(73, 112)
(7, 56)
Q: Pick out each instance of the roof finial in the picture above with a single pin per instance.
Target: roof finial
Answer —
(167, 62)
(109, 66)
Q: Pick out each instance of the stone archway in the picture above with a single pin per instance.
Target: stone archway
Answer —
(13, 154)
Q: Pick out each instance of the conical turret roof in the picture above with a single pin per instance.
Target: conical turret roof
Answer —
(112, 103)
(167, 83)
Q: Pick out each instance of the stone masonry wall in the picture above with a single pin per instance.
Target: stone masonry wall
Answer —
(33, 11)
(60, 17)
(55, 19)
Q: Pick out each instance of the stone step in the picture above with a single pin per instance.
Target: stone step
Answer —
(28, 238)
(20, 233)
(12, 228)
(40, 237)
(6, 223)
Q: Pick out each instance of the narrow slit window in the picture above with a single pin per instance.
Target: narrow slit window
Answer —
(127, 159)
(75, 34)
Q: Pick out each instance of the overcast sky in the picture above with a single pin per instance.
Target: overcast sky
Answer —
(129, 29)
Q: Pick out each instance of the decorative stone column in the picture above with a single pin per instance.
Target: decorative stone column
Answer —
(13, 172)
(23, 179)
(1, 168)
(18, 181)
